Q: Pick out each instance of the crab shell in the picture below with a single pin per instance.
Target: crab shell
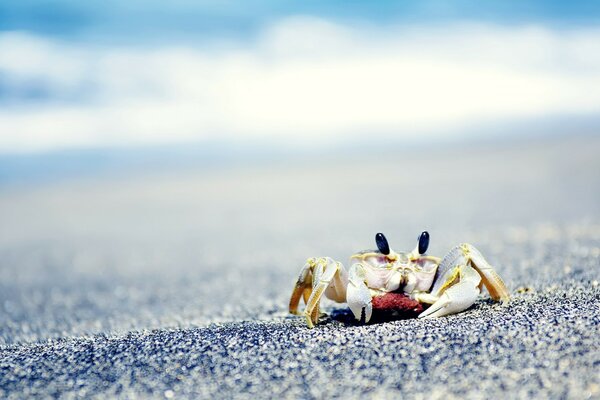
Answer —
(392, 278)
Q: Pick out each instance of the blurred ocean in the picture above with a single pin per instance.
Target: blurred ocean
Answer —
(88, 84)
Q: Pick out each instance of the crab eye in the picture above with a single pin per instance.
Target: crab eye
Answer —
(382, 244)
(423, 242)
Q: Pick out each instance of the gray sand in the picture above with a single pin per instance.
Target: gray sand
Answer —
(176, 285)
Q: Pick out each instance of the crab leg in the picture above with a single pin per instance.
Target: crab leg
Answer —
(490, 278)
(303, 286)
(318, 276)
(460, 276)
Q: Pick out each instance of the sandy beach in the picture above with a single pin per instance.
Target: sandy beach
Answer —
(175, 284)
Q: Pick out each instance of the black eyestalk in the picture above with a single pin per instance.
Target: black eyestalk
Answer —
(423, 242)
(382, 244)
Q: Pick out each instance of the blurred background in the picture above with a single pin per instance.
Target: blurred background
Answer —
(174, 163)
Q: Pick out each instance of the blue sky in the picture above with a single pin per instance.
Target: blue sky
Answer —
(85, 74)
(142, 21)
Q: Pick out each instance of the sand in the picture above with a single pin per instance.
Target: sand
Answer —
(176, 285)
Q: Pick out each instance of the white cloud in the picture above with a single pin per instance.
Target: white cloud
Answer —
(301, 79)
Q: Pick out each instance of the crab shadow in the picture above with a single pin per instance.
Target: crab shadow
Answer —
(345, 316)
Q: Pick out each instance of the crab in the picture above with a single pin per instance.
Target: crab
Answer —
(447, 286)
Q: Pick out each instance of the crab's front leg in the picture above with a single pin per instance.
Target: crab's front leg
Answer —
(458, 282)
(318, 276)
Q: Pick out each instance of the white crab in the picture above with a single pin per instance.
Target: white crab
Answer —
(450, 285)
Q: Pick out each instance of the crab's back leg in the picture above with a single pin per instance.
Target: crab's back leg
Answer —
(490, 278)
(318, 276)
(467, 254)
(303, 286)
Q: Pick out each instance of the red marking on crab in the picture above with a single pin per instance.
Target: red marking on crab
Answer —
(396, 303)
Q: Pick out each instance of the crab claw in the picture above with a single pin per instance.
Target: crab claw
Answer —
(458, 297)
(358, 295)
